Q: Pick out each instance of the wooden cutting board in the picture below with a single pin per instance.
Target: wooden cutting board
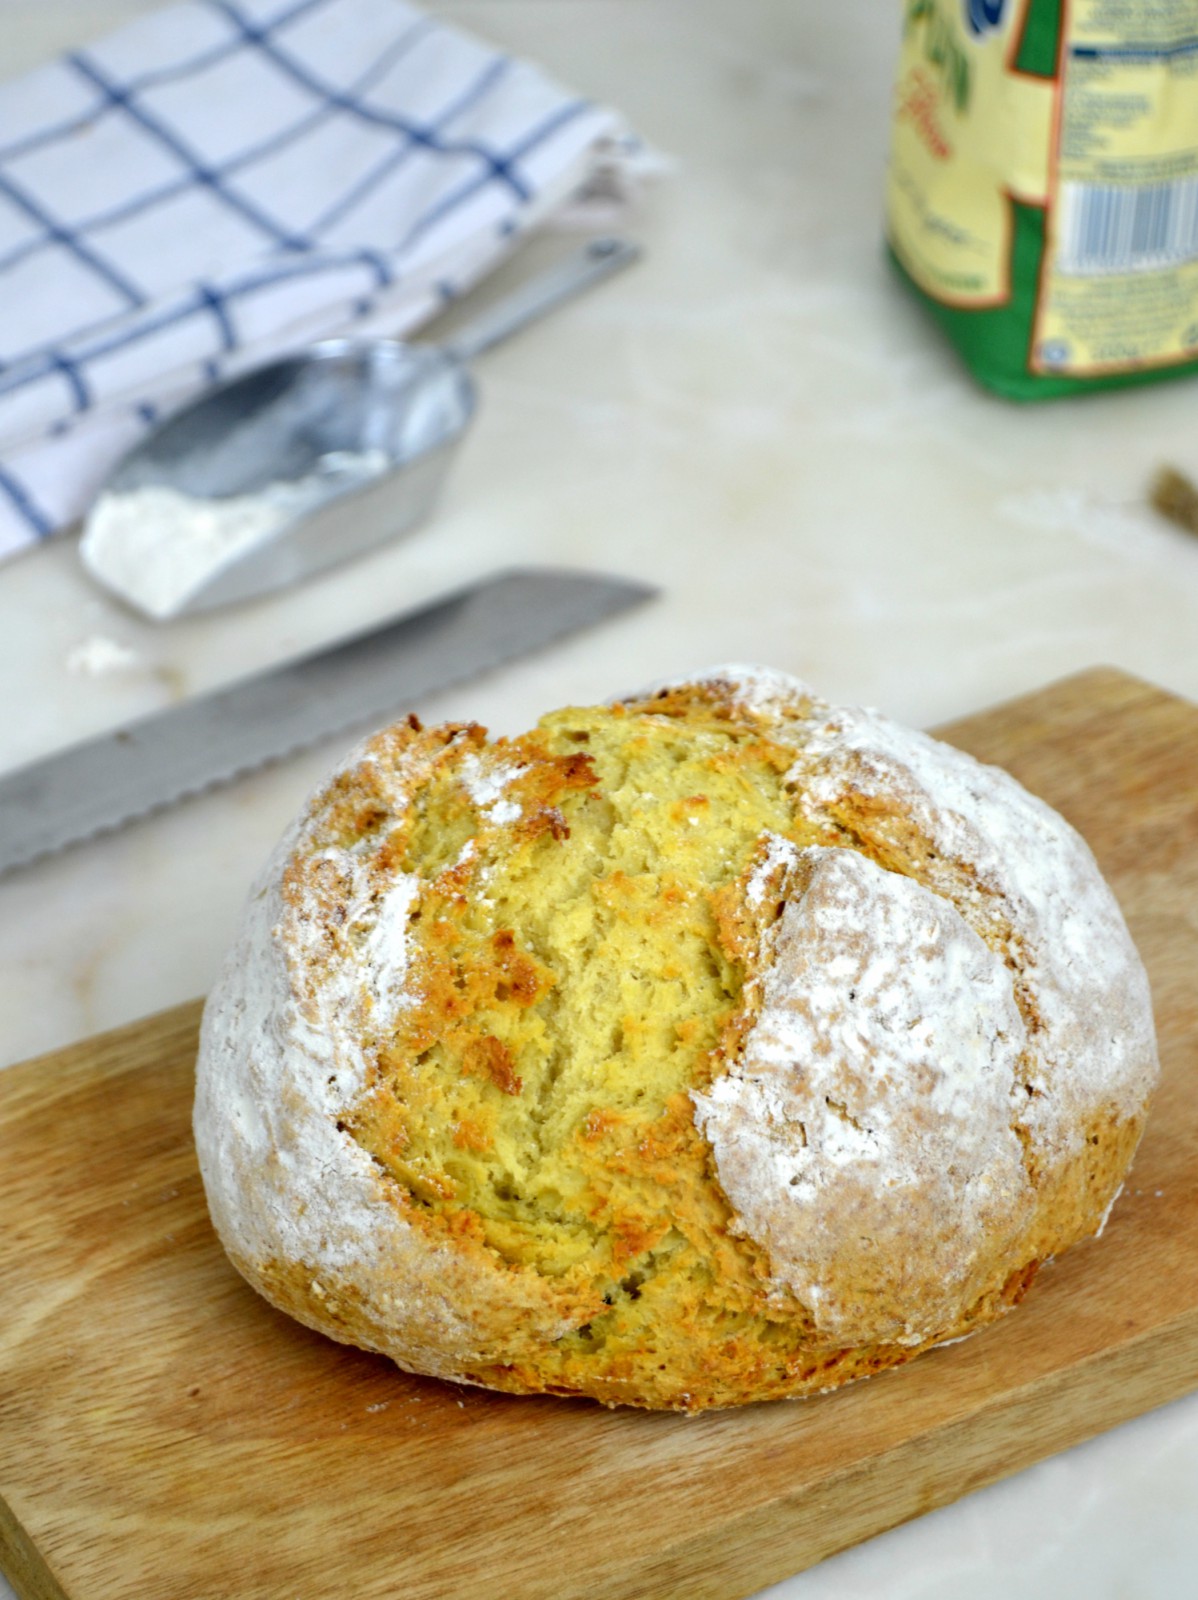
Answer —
(165, 1433)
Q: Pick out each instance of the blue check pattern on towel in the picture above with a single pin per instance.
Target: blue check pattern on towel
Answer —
(220, 181)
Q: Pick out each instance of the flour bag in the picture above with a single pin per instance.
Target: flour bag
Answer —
(1043, 187)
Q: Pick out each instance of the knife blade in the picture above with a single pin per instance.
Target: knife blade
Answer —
(136, 769)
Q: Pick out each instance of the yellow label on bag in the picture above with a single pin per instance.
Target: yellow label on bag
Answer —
(1122, 284)
(1100, 143)
(970, 134)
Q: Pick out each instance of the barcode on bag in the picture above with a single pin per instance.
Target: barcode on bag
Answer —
(1106, 228)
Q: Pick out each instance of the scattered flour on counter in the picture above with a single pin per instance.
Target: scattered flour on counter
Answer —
(1131, 530)
(156, 547)
(97, 657)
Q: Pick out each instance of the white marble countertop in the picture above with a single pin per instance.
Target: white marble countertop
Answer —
(760, 420)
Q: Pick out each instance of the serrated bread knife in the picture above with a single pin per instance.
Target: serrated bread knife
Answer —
(145, 765)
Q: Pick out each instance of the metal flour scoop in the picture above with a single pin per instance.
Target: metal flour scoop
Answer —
(243, 491)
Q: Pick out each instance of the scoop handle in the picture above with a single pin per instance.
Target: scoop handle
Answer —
(542, 294)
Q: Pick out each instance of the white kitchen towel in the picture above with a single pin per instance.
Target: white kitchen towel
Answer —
(225, 179)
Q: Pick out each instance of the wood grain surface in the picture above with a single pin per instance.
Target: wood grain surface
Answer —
(164, 1433)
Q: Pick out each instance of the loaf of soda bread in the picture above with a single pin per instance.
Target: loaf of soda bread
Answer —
(712, 1046)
